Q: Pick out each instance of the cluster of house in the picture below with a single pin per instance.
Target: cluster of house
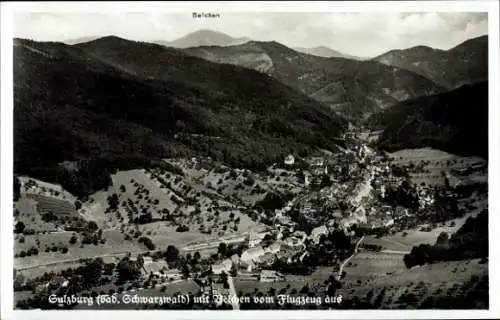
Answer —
(56, 282)
(425, 196)
(362, 153)
(156, 269)
(258, 256)
(318, 168)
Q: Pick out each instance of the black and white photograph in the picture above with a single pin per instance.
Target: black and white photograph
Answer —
(232, 160)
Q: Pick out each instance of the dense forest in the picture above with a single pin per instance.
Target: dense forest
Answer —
(81, 113)
(455, 121)
(469, 242)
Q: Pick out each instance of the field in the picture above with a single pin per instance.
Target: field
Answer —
(114, 244)
(315, 281)
(413, 237)
(435, 162)
(366, 267)
(135, 183)
(35, 186)
(184, 200)
(440, 279)
(56, 206)
(388, 243)
(28, 214)
(244, 185)
(215, 218)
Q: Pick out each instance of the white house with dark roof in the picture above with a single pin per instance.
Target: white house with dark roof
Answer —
(223, 266)
(271, 276)
(317, 232)
(290, 160)
(252, 254)
(157, 268)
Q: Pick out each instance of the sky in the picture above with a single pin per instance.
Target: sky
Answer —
(364, 34)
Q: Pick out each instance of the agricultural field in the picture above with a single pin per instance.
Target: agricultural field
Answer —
(366, 267)
(203, 214)
(244, 185)
(226, 182)
(435, 162)
(46, 204)
(388, 243)
(26, 212)
(34, 186)
(135, 191)
(175, 202)
(292, 283)
(40, 270)
(51, 248)
(436, 280)
(414, 237)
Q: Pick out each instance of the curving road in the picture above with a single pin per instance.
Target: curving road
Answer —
(356, 248)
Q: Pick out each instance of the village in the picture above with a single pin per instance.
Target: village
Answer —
(345, 196)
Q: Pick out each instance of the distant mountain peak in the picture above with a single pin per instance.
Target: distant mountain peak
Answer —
(80, 40)
(325, 52)
(203, 37)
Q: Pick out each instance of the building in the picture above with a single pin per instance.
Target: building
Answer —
(285, 221)
(290, 160)
(337, 214)
(252, 254)
(293, 241)
(268, 259)
(224, 266)
(271, 276)
(307, 179)
(301, 235)
(287, 255)
(317, 232)
(248, 266)
(318, 162)
(400, 211)
(157, 268)
(255, 238)
(275, 247)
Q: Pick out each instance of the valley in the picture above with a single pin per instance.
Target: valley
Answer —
(212, 165)
(204, 208)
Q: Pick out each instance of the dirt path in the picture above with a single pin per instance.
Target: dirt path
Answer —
(356, 248)
(395, 252)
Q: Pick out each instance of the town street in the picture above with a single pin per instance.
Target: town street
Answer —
(234, 301)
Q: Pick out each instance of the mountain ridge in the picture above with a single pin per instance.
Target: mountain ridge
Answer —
(203, 37)
(455, 121)
(326, 52)
(100, 100)
(465, 63)
(354, 89)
